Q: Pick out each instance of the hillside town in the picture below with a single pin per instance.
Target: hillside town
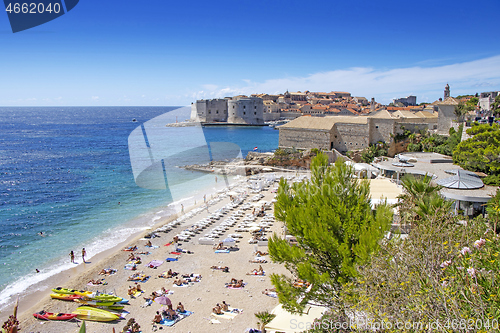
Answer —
(337, 120)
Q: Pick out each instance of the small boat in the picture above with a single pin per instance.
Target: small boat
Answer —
(65, 297)
(105, 298)
(134, 120)
(94, 314)
(92, 303)
(60, 290)
(54, 316)
(106, 307)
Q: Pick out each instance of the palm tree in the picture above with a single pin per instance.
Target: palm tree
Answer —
(264, 318)
(416, 188)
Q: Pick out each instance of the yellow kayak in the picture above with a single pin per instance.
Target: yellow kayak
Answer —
(92, 303)
(94, 314)
(60, 290)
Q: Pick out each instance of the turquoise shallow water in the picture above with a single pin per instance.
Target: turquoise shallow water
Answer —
(66, 172)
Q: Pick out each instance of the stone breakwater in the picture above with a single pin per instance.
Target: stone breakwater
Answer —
(254, 163)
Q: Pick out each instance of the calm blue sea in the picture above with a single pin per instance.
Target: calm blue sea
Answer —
(66, 172)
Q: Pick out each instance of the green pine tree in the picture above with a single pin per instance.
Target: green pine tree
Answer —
(336, 230)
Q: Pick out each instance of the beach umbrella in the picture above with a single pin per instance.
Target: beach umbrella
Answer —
(163, 300)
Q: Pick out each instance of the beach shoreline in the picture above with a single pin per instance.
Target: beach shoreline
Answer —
(115, 258)
(37, 291)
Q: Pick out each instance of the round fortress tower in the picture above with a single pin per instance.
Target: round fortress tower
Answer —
(245, 110)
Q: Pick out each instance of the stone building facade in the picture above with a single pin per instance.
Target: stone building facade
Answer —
(248, 110)
(238, 110)
(345, 133)
(209, 110)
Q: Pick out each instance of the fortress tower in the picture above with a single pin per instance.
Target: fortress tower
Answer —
(249, 110)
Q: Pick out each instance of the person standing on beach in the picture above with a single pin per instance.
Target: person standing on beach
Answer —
(182, 208)
(84, 253)
(72, 256)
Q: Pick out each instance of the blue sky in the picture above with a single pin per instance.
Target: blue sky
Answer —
(157, 52)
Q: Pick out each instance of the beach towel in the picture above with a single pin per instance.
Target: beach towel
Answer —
(180, 316)
(99, 284)
(272, 294)
(153, 246)
(154, 263)
(168, 244)
(176, 253)
(182, 285)
(222, 251)
(229, 315)
(130, 266)
(171, 259)
(140, 279)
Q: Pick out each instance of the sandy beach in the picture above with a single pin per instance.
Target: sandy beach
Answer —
(199, 297)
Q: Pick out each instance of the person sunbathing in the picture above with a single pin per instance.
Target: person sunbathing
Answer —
(169, 313)
(217, 309)
(158, 318)
(179, 282)
(132, 257)
(131, 290)
(220, 246)
(134, 277)
(148, 244)
(107, 271)
(221, 268)
(236, 283)
(259, 253)
(136, 328)
(148, 302)
(225, 307)
(164, 291)
(258, 261)
(270, 292)
(180, 308)
(192, 277)
(138, 287)
(259, 271)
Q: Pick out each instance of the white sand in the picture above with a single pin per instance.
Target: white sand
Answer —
(199, 297)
